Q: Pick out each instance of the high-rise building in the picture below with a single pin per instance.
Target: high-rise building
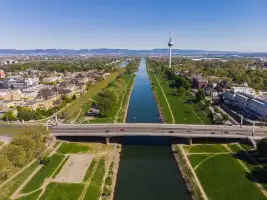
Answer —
(170, 44)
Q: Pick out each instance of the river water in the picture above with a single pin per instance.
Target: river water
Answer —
(147, 167)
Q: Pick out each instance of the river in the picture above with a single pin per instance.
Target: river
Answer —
(147, 167)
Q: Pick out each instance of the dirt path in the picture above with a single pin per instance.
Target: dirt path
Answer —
(122, 99)
(173, 121)
(194, 174)
(73, 121)
(87, 183)
(16, 193)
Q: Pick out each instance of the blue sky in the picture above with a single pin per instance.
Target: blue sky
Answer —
(137, 24)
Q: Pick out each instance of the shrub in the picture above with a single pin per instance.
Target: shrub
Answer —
(45, 160)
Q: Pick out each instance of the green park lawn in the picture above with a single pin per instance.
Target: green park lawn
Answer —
(222, 177)
(195, 159)
(207, 148)
(163, 106)
(32, 196)
(57, 191)
(89, 170)
(93, 191)
(184, 108)
(45, 172)
(11, 186)
(72, 148)
(234, 147)
(60, 166)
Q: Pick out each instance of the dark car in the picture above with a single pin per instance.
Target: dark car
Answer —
(212, 133)
(122, 129)
(107, 131)
(171, 132)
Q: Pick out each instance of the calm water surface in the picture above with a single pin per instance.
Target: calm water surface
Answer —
(147, 168)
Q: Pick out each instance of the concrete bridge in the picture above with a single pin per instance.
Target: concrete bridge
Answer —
(171, 130)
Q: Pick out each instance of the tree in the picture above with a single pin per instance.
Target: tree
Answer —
(200, 95)
(181, 91)
(262, 148)
(9, 116)
(74, 97)
(174, 91)
(104, 104)
(5, 167)
(225, 117)
(27, 143)
(16, 155)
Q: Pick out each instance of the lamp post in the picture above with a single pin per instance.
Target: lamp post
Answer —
(253, 129)
(134, 124)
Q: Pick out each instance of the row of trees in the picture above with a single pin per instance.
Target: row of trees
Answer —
(25, 146)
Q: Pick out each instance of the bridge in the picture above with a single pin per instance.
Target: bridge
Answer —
(172, 130)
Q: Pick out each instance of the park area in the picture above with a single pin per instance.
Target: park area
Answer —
(185, 109)
(224, 171)
(68, 171)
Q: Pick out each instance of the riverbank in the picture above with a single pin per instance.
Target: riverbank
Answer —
(125, 111)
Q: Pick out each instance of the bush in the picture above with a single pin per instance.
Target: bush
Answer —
(106, 191)
(109, 180)
(45, 160)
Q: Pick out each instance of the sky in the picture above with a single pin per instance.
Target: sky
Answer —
(235, 25)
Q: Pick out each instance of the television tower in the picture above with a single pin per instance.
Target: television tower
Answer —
(170, 44)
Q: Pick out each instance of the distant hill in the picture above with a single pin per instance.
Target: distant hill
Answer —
(105, 51)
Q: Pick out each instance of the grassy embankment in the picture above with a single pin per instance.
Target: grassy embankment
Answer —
(93, 191)
(76, 107)
(72, 148)
(45, 172)
(221, 174)
(121, 87)
(184, 109)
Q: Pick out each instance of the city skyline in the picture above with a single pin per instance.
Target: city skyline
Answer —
(217, 26)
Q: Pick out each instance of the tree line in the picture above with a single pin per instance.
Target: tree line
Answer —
(25, 146)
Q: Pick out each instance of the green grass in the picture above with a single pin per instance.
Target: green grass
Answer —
(163, 106)
(45, 172)
(118, 86)
(10, 130)
(247, 147)
(72, 148)
(32, 196)
(208, 148)
(89, 170)
(10, 187)
(61, 166)
(93, 191)
(184, 108)
(222, 177)
(234, 147)
(58, 191)
(196, 159)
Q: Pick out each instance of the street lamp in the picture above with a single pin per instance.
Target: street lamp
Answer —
(253, 129)
(134, 124)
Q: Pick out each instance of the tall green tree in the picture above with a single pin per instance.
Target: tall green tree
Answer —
(16, 155)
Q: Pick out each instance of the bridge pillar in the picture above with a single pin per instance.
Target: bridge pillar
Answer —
(107, 140)
(189, 141)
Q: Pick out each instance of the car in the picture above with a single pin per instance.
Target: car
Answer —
(212, 133)
(121, 129)
(107, 131)
(170, 131)
(226, 132)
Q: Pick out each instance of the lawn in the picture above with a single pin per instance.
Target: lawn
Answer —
(93, 191)
(222, 177)
(163, 106)
(45, 172)
(57, 191)
(196, 159)
(72, 148)
(60, 167)
(208, 148)
(184, 108)
(9, 130)
(89, 170)
(247, 147)
(234, 147)
(10, 187)
(32, 196)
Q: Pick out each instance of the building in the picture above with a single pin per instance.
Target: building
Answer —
(2, 74)
(8, 94)
(52, 79)
(170, 44)
(198, 82)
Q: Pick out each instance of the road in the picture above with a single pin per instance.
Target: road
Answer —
(179, 130)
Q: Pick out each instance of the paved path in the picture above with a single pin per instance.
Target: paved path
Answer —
(205, 197)
(122, 99)
(173, 120)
